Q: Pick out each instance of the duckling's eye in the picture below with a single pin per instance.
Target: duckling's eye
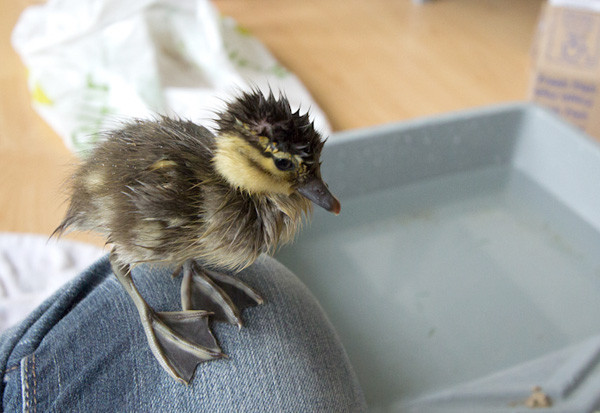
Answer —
(284, 164)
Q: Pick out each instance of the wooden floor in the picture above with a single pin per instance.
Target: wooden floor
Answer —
(365, 62)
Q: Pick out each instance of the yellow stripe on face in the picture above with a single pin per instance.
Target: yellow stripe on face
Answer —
(271, 147)
(245, 167)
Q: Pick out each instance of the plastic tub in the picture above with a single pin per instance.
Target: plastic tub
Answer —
(463, 273)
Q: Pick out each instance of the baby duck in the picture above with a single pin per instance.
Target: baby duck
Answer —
(170, 192)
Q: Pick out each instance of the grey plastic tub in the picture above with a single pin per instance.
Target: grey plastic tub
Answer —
(464, 269)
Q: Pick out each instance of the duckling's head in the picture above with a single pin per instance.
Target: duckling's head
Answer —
(265, 148)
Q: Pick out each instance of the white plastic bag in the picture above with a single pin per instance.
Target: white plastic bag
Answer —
(93, 63)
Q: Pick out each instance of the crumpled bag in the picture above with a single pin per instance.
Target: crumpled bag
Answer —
(94, 63)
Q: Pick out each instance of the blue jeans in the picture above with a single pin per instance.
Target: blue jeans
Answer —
(84, 350)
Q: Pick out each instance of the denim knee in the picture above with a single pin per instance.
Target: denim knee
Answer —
(84, 349)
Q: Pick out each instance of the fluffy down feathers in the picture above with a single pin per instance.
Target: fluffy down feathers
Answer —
(152, 189)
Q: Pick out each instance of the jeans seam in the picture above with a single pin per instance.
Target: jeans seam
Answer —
(29, 385)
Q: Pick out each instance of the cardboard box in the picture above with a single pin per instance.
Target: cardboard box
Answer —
(566, 59)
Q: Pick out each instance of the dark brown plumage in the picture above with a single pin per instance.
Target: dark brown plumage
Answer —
(295, 132)
(169, 191)
(152, 190)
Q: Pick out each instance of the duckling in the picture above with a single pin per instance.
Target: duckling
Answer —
(170, 192)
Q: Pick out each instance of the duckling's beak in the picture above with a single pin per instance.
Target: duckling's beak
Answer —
(316, 190)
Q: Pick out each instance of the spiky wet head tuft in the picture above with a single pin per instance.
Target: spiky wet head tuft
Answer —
(256, 117)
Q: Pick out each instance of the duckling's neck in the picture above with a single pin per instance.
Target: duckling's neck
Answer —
(238, 227)
(245, 168)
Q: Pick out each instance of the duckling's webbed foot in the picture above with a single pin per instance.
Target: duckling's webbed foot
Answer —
(179, 340)
(223, 295)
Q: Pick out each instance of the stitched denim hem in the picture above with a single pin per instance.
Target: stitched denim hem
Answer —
(29, 384)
